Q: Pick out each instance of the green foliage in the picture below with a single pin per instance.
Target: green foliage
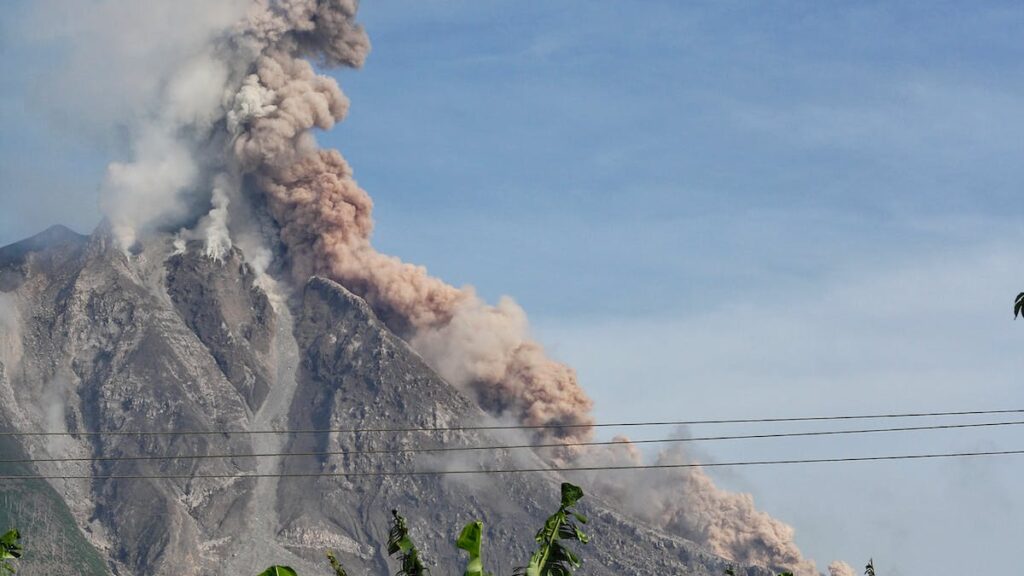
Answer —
(471, 540)
(278, 571)
(869, 570)
(10, 549)
(553, 558)
(335, 565)
(1018, 306)
(401, 544)
(57, 544)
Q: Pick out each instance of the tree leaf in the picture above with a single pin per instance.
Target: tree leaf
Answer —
(552, 558)
(571, 494)
(10, 549)
(278, 571)
(10, 538)
(400, 543)
(471, 540)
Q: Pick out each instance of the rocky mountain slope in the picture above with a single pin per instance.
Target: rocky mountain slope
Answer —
(168, 340)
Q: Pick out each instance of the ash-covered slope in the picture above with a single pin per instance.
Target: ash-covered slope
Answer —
(170, 340)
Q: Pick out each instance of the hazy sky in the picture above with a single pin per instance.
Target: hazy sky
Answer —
(710, 209)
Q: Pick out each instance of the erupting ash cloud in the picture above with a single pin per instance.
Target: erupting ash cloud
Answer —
(325, 221)
(685, 501)
(222, 145)
(223, 149)
(839, 568)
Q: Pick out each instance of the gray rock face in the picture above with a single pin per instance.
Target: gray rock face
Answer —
(230, 315)
(160, 341)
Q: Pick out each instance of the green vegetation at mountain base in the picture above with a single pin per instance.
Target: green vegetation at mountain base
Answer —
(10, 550)
(471, 540)
(400, 544)
(552, 557)
(54, 544)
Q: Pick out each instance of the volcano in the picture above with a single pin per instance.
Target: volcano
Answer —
(168, 340)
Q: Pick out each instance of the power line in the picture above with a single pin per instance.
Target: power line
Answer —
(515, 427)
(514, 470)
(511, 446)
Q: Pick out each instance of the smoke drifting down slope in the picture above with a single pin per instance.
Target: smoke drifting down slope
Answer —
(324, 218)
(223, 146)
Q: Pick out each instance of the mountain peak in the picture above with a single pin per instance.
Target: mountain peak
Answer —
(56, 235)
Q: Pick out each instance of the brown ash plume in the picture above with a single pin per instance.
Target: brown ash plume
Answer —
(238, 110)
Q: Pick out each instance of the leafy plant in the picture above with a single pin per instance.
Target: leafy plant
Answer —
(10, 549)
(869, 570)
(335, 565)
(471, 540)
(552, 558)
(278, 571)
(1018, 306)
(400, 543)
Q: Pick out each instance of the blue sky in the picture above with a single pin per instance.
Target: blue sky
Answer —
(709, 209)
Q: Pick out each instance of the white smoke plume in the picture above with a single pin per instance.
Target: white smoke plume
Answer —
(146, 191)
(219, 99)
(145, 78)
(214, 225)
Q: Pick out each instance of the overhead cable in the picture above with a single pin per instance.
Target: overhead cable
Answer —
(227, 432)
(508, 470)
(508, 446)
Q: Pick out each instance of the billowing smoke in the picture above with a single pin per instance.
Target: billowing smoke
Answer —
(839, 568)
(325, 220)
(222, 149)
(727, 522)
(228, 125)
(685, 501)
